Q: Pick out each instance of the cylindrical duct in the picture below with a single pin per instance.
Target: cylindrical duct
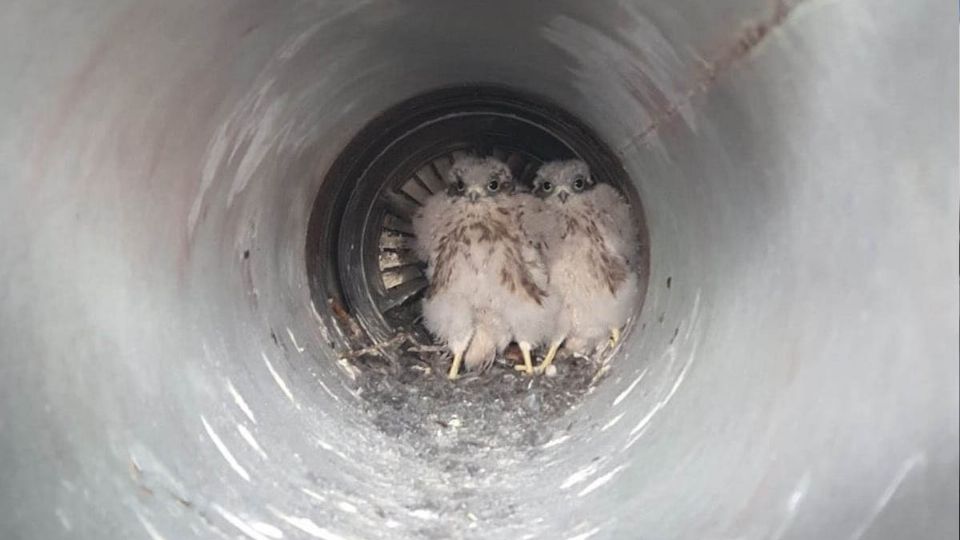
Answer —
(166, 373)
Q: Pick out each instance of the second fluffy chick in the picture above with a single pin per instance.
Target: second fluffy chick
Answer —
(591, 249)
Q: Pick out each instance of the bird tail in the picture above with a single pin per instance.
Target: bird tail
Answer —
(481, 351)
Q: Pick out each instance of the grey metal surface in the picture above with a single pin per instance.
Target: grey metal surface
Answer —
(359, 242)
(798, 166)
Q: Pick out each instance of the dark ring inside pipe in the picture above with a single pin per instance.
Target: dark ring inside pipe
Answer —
(176, 213)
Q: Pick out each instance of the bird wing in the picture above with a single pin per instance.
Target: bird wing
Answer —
(538, 228)
(618, 223)
(427, 222)
(526, 273)
(537, 225)
(441, 261)
(521, 271)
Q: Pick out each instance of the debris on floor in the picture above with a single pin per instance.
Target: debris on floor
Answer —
(406, 392)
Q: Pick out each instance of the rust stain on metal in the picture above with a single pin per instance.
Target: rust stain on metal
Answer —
(747, 40)
(343, 317)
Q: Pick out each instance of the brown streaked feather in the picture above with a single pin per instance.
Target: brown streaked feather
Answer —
(506, 279)
(523, 276)
(515, 277)
(533, 291)
(442, 269)
(613, 271)
(607, 268)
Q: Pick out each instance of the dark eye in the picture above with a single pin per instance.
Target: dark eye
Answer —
(493, 185)
(579, 183)
(460, 185)
(547, 187)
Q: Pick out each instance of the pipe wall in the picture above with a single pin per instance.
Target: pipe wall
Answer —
(795, 369)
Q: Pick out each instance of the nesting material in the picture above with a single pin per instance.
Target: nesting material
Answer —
(458, 423)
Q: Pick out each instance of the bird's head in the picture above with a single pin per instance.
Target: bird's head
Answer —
(557, 181)
(476, 178)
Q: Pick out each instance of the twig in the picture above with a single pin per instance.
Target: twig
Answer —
(376, 348)
(427, 348)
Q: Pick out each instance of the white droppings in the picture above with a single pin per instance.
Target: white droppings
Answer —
(276, 377)
(423, 513)
(557, 441)
(308, 526)
(64, 520)
(632, 440)
(293, 339)
(792, 503)
(247, 436)
(316, 314)
(240, 524)
(224, 451)
(613, 421)
(314, 495)
(262, 131)
(328, 447)
(347, 367)
(152, 531)
(623, 395)
(584, 536)
(266, 529)
(580, 476)
(391, 524)
(680, 377)
(799, 492)
(600, 481)
(238, 399)
(293, 45)
(327, 389)
(646, 419)
(211, 163)
(911, 463)
(347, 507)
(642, 424)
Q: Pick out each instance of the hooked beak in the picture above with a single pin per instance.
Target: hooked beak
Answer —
(473, 196)
(563, 196)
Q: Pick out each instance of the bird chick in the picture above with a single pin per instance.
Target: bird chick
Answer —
(487, 284)
(591, 248)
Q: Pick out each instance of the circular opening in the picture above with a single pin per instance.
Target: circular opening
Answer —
(367, 281)
(359, 243)
(797, 163)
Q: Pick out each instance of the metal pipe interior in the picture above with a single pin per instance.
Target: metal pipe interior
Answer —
(796, 374)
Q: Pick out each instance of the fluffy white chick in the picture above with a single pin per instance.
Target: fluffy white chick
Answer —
(487, 282)
(591, 249)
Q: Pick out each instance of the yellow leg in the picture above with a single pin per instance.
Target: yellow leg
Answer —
(527, 366)
(614, 337)
(455, 366)
(551, 354)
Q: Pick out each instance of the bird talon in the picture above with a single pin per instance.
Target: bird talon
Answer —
(454, 373)
(614, 337)
(527, 359)
(551, 354)
(479, 244)
(525, 369)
